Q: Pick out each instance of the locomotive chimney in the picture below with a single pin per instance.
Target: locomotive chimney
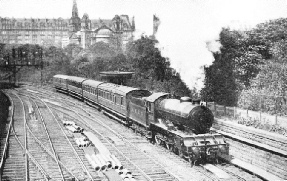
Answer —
(196, 101)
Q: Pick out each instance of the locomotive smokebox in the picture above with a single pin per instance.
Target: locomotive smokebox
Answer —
(186, 115)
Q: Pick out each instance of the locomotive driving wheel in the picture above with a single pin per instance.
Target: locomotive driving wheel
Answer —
(169, 146)
(191, 161)
(180, 153)
(157, 140)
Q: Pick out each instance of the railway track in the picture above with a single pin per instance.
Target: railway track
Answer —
(256, 150)
(141, 166)
(274, 141)
(195, 173)
(50, 154)
(16, 163)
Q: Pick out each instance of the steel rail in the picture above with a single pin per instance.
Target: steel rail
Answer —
(27, 153)
(51, 144)
(142, 172)
(25, 139)
(42, 171)
(44, 147)
(47, 150)
(231, 173)
(79, 159)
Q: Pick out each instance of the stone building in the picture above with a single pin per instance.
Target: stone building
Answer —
(61, 32)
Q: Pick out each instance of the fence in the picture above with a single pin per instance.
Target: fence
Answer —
(239, 113)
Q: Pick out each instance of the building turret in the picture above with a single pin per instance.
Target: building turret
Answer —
(156, 23)
(133, 23)
(85, 22)
(75, 21)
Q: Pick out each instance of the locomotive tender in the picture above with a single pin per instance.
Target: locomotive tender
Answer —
(182, 126)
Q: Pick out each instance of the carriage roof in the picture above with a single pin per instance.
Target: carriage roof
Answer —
(60, 76)
(118, 89)
(92, 83)
(76, 79)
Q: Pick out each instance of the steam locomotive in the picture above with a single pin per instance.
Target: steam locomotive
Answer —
(180, 125)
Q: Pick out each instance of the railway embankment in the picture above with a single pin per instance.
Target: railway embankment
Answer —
(4, 123)
(265, 151)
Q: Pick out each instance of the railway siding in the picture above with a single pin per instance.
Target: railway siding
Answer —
(266, 138)
(30, 154)
(264, 159)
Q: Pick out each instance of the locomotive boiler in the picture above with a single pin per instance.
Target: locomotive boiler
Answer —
(186, 115)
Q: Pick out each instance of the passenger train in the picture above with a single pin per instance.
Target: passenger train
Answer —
(180, 125)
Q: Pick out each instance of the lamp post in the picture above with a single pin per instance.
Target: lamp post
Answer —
(35, 57)
(41, 64)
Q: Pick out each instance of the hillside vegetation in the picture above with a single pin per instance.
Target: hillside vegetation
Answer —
(250, 69)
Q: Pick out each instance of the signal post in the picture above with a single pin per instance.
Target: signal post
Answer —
(20, 57)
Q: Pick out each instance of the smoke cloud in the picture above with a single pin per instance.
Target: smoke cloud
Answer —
(189, 31)
(188, 42)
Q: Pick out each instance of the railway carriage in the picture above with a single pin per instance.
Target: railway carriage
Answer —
(114, 98)
(60, 82)
(90, 91)
(74, 85)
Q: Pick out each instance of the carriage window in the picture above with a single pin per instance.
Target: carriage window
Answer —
(149, 106)
(122, 100)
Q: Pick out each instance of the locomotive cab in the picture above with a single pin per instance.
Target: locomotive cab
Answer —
(150, 102)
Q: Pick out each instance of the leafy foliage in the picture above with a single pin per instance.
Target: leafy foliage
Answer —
(151, 70)
(253, 66)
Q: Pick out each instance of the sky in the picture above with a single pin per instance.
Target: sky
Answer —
(188, 31)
